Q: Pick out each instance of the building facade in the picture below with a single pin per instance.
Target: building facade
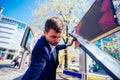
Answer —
(11, 33)
(11, 36)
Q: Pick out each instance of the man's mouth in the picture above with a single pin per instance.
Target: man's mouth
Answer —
(54, 44)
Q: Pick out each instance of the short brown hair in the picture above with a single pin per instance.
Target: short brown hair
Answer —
(54, 23)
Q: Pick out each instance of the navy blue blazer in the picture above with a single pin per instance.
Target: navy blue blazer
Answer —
(43, 66)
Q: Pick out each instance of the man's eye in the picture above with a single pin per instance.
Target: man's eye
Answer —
(54, 37)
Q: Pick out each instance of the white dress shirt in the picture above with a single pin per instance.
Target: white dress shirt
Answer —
(53, 50)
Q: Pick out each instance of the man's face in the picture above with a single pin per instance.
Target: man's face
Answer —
(53, 37)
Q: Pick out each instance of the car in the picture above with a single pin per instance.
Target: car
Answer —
(74, 67)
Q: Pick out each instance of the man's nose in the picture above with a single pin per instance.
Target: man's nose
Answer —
(57, 40)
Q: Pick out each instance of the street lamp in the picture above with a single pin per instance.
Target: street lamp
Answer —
(1, 10)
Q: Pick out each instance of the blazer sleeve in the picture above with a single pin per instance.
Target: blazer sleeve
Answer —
(35, 70)
(38, 62)
(62, 46)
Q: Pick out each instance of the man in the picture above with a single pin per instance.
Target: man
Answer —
(17, 61)
(44, 60)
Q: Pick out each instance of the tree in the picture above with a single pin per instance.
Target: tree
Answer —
(68, 10)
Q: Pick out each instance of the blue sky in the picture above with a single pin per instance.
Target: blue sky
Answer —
(19, 9)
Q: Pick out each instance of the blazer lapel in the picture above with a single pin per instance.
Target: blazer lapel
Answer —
(47, 46)
(48, 49)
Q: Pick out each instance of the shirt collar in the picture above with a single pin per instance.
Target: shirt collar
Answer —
(52, 47)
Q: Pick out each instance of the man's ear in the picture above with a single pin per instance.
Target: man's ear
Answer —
(44, 32)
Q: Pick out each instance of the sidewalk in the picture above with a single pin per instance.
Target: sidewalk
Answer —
(7, 72)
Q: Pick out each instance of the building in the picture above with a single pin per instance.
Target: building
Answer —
(11, 36)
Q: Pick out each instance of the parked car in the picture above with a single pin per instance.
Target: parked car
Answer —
(74, 67)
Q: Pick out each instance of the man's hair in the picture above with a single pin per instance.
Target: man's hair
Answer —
(55, 24)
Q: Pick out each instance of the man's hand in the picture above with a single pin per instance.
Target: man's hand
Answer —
(70, 42)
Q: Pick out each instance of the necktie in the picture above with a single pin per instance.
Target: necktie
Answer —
(53, 53)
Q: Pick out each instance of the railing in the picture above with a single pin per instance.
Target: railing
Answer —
(110, 65)
(83, 76)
